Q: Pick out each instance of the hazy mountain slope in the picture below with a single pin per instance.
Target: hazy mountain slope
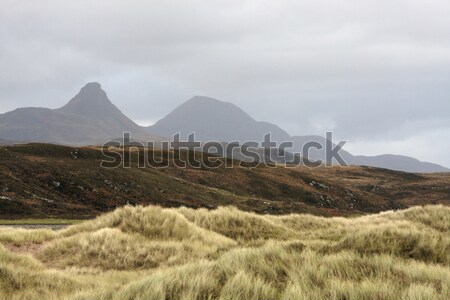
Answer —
(300, 141)
(214, 120)
(387, 161)
(400, 162)
(93, 103)
(89, 117)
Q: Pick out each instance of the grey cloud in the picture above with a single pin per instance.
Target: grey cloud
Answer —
(375, 72)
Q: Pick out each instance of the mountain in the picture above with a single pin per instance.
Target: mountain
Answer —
(214, 120)
(93, 103)
(314, 154)
(91, 118)
(400, 162)
(386, 161)
(88, 118)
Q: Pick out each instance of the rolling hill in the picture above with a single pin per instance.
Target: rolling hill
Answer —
(42, 180)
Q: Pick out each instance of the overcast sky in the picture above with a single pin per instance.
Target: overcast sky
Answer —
(376, 72)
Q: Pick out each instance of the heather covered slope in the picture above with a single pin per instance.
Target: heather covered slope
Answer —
(156, 253)
(42, 181)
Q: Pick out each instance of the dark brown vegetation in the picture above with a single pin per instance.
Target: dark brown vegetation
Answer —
(41, 180)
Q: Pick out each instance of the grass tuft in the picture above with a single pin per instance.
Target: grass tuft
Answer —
(166, 253)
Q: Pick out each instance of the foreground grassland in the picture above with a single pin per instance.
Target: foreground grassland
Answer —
(39, 222)
(155, 253)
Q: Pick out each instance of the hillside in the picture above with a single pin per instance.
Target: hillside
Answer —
(42, 180)
(155, 253)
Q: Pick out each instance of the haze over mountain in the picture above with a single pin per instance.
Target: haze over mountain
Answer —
(399, 162)
(91, 118)
(387, 161)
(214, 120)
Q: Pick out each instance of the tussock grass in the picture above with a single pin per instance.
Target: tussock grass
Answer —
(23, 277)
(236, 224)
(436, 217)
(275, 273)
(18, 236)
(40, 222)
(154, 223)
(424, 245)
(156, 253)
(112, 249)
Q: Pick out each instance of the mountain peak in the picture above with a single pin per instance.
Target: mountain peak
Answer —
(90, 117)
(212, 106)
(199, 98)
(91, 87)
(214, 120)
(93, 91)
(91, 100)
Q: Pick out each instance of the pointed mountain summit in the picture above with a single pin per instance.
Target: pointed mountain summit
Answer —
(90, 117)
(92, 102)
(214, 120)
(89, 101)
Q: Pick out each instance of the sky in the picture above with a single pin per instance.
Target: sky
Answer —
(376, 73)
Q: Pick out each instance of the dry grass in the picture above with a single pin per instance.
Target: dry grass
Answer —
(19, 236)
(154, 253)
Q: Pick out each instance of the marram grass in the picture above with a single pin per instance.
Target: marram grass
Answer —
(155, 253)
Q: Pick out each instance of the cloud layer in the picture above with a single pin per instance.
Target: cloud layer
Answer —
(375, 72)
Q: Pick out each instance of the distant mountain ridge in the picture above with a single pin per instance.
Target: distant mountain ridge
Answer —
(214, 120)
(400, 162)
(91, 118)
(385, 161)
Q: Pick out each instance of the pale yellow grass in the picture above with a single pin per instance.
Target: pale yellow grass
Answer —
(155, 253)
